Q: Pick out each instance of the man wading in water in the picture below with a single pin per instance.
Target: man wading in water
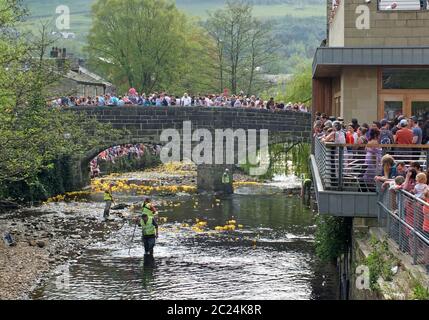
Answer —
(149, 208)
(150, 233)
(227, 183)
(108, 198)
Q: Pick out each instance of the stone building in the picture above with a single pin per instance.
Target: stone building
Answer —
(374, 63)
(78, 81)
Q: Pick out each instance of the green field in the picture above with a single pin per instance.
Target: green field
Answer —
(267, 11)
(81, 11)
(46, 8)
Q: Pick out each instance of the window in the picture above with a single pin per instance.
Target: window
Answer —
(420, 109)
(396, 78)
(402, 5)
(392, 109)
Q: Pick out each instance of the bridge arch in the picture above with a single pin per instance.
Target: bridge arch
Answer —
(146, 124)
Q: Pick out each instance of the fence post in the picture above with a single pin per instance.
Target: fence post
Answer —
(427, 159)
(381, 200)
(414, 232)
(389, 199)
(400, 216)
(340, 168)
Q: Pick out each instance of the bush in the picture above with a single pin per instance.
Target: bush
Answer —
(420, 292)
(51, 181)
(332, 237)
(380, 262)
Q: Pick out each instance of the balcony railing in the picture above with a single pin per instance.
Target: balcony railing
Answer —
(405, 219)
(347, 174)
(352, 168)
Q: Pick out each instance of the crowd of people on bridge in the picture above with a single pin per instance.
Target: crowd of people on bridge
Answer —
(164, 99)
(129, 150)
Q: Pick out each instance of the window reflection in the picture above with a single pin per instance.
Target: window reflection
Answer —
(396, 78)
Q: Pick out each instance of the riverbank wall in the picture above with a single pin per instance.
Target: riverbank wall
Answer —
(60, 177)
(66, 174)
(378, 270)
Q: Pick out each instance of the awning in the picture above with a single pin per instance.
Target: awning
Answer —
(329, 61)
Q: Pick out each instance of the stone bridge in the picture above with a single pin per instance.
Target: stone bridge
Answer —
(145, 125)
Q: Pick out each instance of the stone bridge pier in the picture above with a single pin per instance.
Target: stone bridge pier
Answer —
(149, 124)
(209, 177)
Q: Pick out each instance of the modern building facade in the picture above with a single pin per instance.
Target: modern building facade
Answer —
(374, 63)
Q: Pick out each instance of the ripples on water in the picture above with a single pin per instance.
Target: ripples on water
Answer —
(191, 265)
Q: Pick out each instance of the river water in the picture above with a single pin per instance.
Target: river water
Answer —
(271, 257)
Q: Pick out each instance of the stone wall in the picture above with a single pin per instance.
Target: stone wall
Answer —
(145, 124)
(402, 284)
(359, 94)
(336, 28)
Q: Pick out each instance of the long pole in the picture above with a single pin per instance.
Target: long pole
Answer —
(132, 240)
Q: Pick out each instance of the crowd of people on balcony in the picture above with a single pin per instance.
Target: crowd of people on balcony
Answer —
(371, 138)
(364, 145)
(395, 176)
(164, 99)
(129, 150)
(401, 131)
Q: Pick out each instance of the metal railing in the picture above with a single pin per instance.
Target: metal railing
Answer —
(352, 168)
(405, 219)
(403, 216)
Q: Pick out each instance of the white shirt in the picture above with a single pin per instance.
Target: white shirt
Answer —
(208, 102)
(419, 190)
(168, 99)
(186, 101)
(355, 137)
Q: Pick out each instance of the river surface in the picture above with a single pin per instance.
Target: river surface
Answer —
(271, 257)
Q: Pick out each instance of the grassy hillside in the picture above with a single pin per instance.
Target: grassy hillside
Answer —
(46, 8)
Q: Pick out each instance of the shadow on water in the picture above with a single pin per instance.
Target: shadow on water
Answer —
(272, 257)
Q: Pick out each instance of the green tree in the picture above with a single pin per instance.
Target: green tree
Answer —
(32, 135)
(147, 44)
(245, 47)
(332, 237)
(299, 87)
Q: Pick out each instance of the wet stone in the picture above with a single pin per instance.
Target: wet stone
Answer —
(41, 244)
(32, 243)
